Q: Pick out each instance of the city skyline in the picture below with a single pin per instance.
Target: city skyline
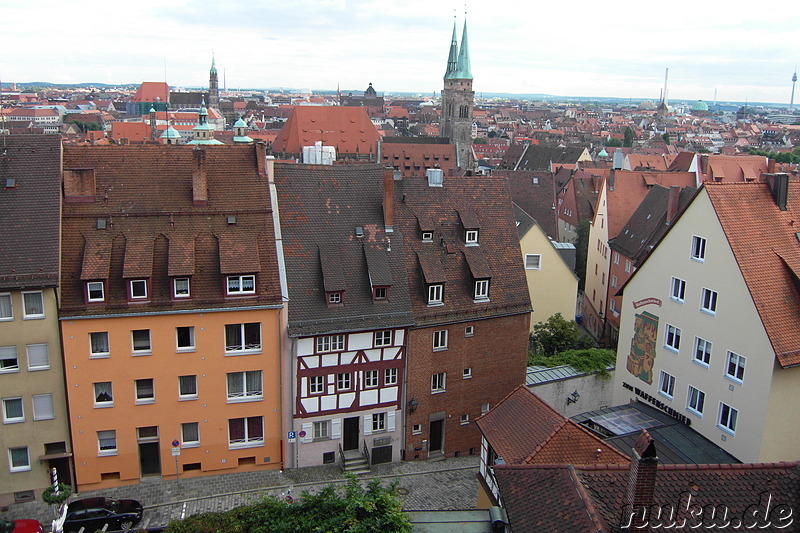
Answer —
(325, 44)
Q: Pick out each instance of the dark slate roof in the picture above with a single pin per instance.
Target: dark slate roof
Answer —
(535, 192)
(524, 221)
(30, 211)
(320, 207)
(489, 199)
(144, 195)
(539, 157)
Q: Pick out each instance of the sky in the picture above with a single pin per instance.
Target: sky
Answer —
(742, 51)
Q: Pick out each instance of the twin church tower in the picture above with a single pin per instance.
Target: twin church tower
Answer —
(458, 100)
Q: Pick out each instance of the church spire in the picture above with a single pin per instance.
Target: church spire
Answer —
(463, 70)
(452, 58)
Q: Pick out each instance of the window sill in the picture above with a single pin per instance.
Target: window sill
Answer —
(467, 377)
(698, 259)
(435, 304)
(187, 398)
(671, 349)
(14, 470)
(481, 300)
(14, 421)
(676, 300)
(103, 405)
(438, 391)
(233, 353)
(245, 400)
(186, 445)
(320, 439)
(147, 401)
(698, 414)
(239, 446)
(469, 244)
(9, 371)
(440, 349)
(733, 379)
(44, 418)
(34, 317)
(708, 312)
(186, 350)
(700, 363)
(6, 319)
(107, 454)
(143, 352)
(665, 395)
(100, 356)
(726, 430)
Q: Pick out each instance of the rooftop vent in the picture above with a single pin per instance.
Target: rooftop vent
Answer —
(101, 223)
(231, 220)
(359, 231)
(11, 183)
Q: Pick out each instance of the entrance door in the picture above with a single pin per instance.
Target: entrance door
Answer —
(351, 433)
(436, 435)
(149, 458)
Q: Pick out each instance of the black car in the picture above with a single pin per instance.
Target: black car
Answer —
(93, 514)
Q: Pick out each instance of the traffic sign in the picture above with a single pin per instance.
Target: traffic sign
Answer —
(175, 443)
(302, 434)
(176, 451)
(292, 436)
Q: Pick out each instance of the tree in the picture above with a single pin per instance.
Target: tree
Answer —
(628, 141)
(612, 142)
(557, 335)
(665, 136)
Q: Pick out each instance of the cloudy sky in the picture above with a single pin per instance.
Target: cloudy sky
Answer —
(576, 48)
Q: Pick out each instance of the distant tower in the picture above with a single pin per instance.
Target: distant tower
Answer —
(213, 86)
(458, 100)
(794, 82)
(663, 106)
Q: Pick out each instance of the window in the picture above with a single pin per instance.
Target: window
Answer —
(185, 338)
(343, 381)
(370, 378)
(43, 407)
(107, 442)
(8, 359)
(482, 289)
(734, 369)
(416, 429)
(38, 357)
(320, 431)
(378, 422)
(464, 419)
(138, 289)
(698, 248)
(627, 266)
(18, 459)
(616, 258)
(6, 312)
(678, 289)
(242, 284)
(438, 382)
(330, 343)
(390, 376)
(383, 338)
(190, 434)
(471, 236)
(243, 337)
(672, 338)
(469, 331)
(245, 386)
(702, 351)
(12, 411)
(380, 293)
(334, 298)
(440, 340)
(533, 261)
(466, 373)
(103, 396)
(427, 236)
(727, 417)
(613, 282)
(145, 392)
(316, 384)
(667, 384)
(180, 288)
(33, 304)
(95, 292)
(187, 387)
(435, 294)
(695, 401)
(141, 340)
(245, 432)
(484, 408)
(708, 301)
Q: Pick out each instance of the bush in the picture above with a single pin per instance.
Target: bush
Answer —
(557, 335)
(592, 360)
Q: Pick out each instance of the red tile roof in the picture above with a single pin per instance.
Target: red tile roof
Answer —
(348, 129)
(149, 91)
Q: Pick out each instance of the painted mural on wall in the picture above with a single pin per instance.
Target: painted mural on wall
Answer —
(643, 347)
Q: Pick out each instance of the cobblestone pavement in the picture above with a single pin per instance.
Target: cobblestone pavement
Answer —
(445, 485)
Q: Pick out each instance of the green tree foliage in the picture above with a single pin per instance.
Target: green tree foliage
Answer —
(612, 142)
(780, 157)
(589, 360)
(86, 126)
(480, 140)
(628, 141)
(353, 509)
(665, 136)
(557, 335)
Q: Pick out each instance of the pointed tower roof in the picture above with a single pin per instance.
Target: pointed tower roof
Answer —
(452, 58)
(463, 70)
(213, 64)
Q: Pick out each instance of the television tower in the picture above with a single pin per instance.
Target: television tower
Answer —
(794, 82)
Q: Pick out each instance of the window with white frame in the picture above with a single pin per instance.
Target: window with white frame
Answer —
(471, 236)
(464, 419)
(184, 338)
(245, 386)
(344, 381)
(181, 288)
(245, 432)
(533, 261)
(416, 429)
(241, 284)
(33, 304)
(320, 430)
(38, 357)
(616, 258)
(141, 341)
(435, 294)
(440, 339)
(187, 387)
(6, 311)
(378, 422)
(334, 298)
(613, 282)
(242, 338)
(678, 289)
(370, 378)
(427, 236)
(439, 382)
(734, 368)
(330, 343)
(466, 373)
(469, 331)
(698, 248)
(482, 289)
(695, 401)
(380, 293)
(627, 266)
(13, 412)
(8, 359)
(667, 384)
(145, 391)
(107, 442)
(383, 338)
(95, 291)
(728, 416)
(708, 301)
(702, 351)
(672, 338)
(98, 344)
(18, 459)
(43, 407)
(316, 384)
(103, 394)
(138, 288)
(484, 408)
(190, 434)
(390, 376)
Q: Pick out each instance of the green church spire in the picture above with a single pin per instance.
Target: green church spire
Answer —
(452, 58)
(463, 70)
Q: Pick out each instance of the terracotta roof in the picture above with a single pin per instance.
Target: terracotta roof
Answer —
(348, 129)
(134, 131)
(149, 91)
(412, 156)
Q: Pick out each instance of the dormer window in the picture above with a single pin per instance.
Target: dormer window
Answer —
(138, 289)
(380, 293)
(427, 236)
(180, 288)
(435, 294)
(241, 285)
(471, 237)
(95, 291)
(482, 290)
(334, 298)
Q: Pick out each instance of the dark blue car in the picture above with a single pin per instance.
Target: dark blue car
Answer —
(93, 514)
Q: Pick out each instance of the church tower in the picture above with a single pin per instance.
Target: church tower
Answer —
(213, 86)
(458, 100)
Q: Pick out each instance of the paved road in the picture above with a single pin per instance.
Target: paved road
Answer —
(442, 485)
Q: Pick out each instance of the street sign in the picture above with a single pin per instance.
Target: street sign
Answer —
(292, 436)
(302, 434)
(176, 451)
(176, 443)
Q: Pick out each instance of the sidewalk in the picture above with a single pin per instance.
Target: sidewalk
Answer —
(441, 485)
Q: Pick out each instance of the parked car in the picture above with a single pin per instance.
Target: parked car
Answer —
(94, 513)
(20, 526)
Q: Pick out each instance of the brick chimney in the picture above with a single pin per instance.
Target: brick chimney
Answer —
(261, 158)
(672, 203)
(271, 168)
(703, 163)
(642, 480)
(772, 166)
(388, 199)
(199, 178)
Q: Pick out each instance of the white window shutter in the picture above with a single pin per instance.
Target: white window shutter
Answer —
(367, 425)
(43, 407)
(336, 428)
(309, 429)
(390, 421)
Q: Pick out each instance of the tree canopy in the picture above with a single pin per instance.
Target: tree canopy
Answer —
(557, 335)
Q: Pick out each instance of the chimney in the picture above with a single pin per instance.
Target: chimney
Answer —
(271, 168)
(261, 158)
(199, 178)
(641, 481)
(704, 163)
(772, 166)
(618, 160)
(672, 203)
(388, 199)
(779, 185)
(611, 179)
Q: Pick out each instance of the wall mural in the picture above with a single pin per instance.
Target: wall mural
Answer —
(643, 347)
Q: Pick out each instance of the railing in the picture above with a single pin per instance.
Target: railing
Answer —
(341, 456)
(366, 454)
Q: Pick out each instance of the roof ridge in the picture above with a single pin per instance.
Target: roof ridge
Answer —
(540, 447)
(588, 503)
